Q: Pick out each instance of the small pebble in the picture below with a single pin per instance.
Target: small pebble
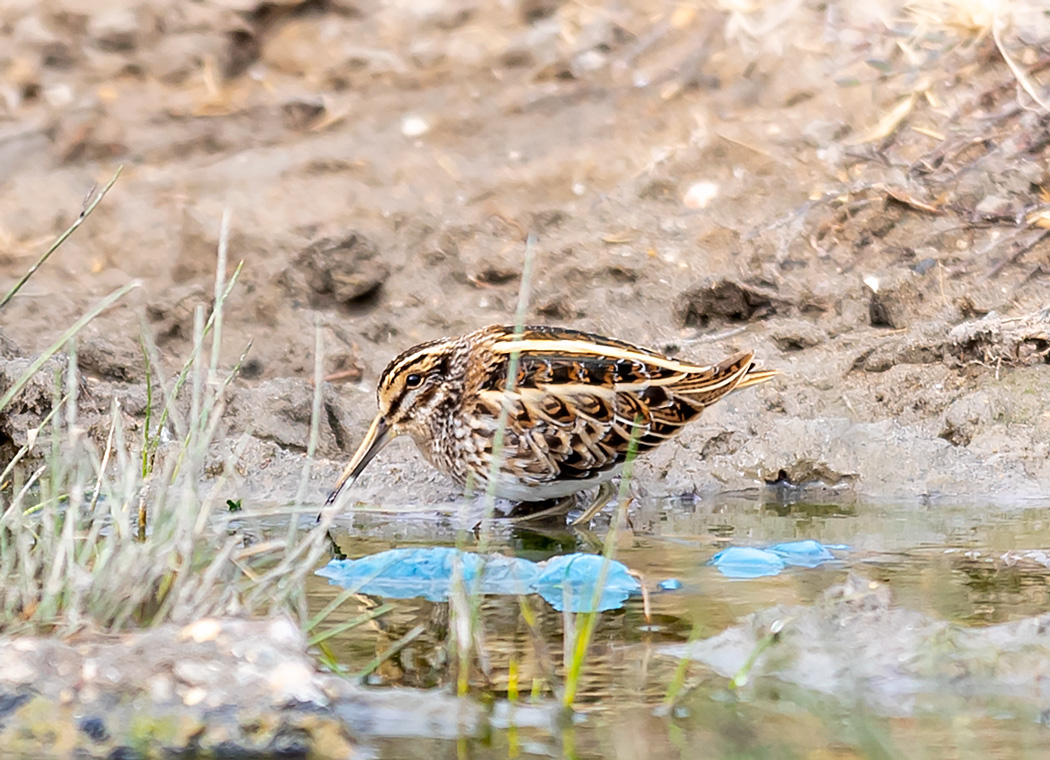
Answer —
(924, 266)
(414, 126)
(293, 680)
(699, 195)
(94, 728)
(202, 630)
(89, 672)
(194, 696)
(160, 688)
(283, 633)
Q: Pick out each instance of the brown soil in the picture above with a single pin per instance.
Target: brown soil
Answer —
(875, 222)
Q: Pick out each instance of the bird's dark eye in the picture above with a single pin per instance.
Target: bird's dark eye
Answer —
(413, 381)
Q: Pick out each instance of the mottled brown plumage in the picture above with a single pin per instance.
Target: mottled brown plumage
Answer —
(572, 407)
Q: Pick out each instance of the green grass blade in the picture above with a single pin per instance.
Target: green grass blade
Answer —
(400, 644)
(350, 624)
(61, 239)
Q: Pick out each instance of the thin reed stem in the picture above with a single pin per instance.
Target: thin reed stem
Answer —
(84, 214)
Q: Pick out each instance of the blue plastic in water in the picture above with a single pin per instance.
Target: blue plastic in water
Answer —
(671, 584)
(808, 553)
(752, 562)
(574, 577)
(427, 573)
(747, 562)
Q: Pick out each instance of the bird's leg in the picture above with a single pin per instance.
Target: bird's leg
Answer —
(605, 493)
(557, 507)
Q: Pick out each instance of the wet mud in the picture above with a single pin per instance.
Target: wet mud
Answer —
(687, 192)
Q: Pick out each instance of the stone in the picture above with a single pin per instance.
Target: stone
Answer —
(347, 268)
(113, 696)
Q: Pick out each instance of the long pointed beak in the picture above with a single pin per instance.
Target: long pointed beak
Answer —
(378, 436)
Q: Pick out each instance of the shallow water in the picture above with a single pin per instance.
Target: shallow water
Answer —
(942, 560)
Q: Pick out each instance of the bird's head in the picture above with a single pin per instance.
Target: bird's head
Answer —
(410, 394)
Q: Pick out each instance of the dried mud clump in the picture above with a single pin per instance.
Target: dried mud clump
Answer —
(992, 341)
(347, 269)
(968, 415)
(279, 410)
(797, 335)
(894, 304)
(808, 472)
(725, 301)
(8, 348)
(32, 403)
(109, 360)
(1018, 342)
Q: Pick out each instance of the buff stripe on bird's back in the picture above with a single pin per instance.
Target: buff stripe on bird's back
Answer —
(570, 348)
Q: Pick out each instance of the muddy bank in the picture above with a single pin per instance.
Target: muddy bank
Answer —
(987, 443)
(870, 221)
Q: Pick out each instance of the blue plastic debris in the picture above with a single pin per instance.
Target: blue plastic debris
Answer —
(671, 584)
(808, 553)
(573, 578)
(747, 562)
(427, 573)
(752, 562)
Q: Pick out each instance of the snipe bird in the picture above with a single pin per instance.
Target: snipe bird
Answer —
(573, 406)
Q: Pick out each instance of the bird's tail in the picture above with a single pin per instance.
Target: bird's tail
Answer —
(712, 383)
(756, 375)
